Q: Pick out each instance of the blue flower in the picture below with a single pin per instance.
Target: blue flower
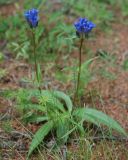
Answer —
(32, 17)
(84, 26)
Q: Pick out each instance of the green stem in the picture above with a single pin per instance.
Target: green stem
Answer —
(79, 71)
(35, 58)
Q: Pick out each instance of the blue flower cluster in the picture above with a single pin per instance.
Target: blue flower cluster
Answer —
(84, 26)
(32, 17)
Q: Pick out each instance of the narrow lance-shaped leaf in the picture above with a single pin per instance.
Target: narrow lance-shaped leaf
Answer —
(39, 136)
(98, 117)
(62, 129)
(64, 97)
(33, 118)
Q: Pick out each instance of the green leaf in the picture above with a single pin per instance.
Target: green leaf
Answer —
(30, 117)
(50, 100)
(39, 136)
(46, 98)
(98, 117)
(107, 74)
(125, 65)
(62, 129)
(86, 64)
(40, 119)
(64, 97)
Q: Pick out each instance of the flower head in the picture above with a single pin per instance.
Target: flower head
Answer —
(84, 26)
(32, 17)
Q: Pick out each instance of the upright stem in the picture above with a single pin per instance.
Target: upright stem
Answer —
(35, 58)
(79, 71)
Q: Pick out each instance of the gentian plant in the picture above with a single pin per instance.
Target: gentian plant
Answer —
(32, 19)
(83, 27)
(54, 108)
